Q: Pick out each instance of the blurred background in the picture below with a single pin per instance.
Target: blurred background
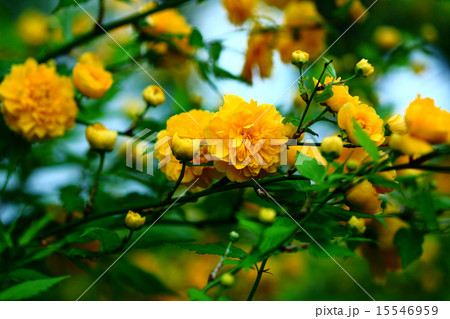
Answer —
(406, 41)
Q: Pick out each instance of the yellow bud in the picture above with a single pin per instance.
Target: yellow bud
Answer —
(182, 148)
(90, 77)
(33, 27)
(364, 68)
(299, 57)
(397, 124)
(267, 215)
(134, 221)
(227, 279)
(357, 223)
(332, 146)
(352, 165)
(100, 138)
(153, 95)
(289, 130)
(387, 37)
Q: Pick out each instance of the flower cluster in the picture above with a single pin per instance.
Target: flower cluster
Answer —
(37, 103)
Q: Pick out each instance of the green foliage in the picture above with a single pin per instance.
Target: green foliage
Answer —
(109, 239)
(69, 3)
(409, 244)
(365, 141)
(309, 167)
(28, 289)
(214, 249)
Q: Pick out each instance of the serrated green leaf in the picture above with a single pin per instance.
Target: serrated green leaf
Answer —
(309, 168)
(324, 95)
(365, 141)
(274, 236)
(214, 249)
(29, 289)
(25, 274)
(330, 71)
(409, 244)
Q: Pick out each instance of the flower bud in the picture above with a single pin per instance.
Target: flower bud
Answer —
(134, 221)
(299, 58)
(233, 236)
(397, 124)
(363, 198)
(332, 147)
(227, 279)
(357, 223)
(352, 165)
(90, 77)
(364, 68)
(153, 95)
(267, 215)
(100, 138)
(182, 148)
(409, 145)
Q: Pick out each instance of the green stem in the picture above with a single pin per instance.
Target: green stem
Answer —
(219, 265)
(94, 188)
(310, 99)
(258, 279)
(136, 122)
(107, 27)
(127, 239)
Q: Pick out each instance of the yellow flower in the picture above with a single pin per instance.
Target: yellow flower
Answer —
(100, 138)
(389, 175)
(290, 130)
(356, 154)
(82, 23)
(302, 29)
(363, 198)
(183, 125)
(299, 57)
(409, 145)
(397, 124)
(33, 27)
(37, 103)
(364, 68)
(340, 97)
(280, 4)
(332, 147)
(357, 223)
(366, 117)
(356, 10)
(90, 77)
(259, 54)
(248, 130)
(134, 221)
(170, 22)
(267, 215)
(153, 95)
(387, 37)
(428, 122)
(239, 11)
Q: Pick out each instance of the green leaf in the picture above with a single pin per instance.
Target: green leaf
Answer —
(213, 249)
(379, 180)
(198, 295)
(332, 249)
(70, 197)
(29, 289)
(109, 239)
(309, 168)
(196, 39)
(25, 274)
(330, 71)
(274, 236)
(365, 141)
(215, 48)
(324, 95)
(409, 244)
(33, 230)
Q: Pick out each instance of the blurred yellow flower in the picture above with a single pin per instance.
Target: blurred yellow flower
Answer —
(409, 145)
(101, 138)
(340, 97)
(302, 29)
(363, 198)
(33, 27)
(134, 221)
(428, 122)
(183, 125)
(82, 23)
(37, 103)
(397, 124)
(357, 223)
(357, 10)
(387, 37)
(259, 54)
(248, 131)
(267, 215)
(239, 10)
(90, 77)
(366, 117)
(277, 3)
